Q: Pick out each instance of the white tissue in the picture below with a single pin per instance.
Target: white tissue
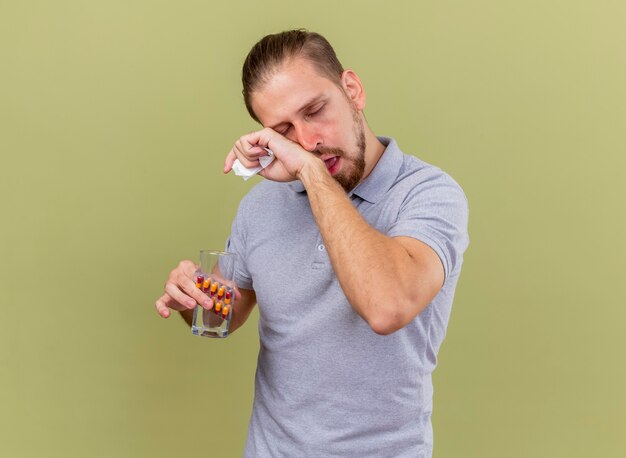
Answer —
(246, 173)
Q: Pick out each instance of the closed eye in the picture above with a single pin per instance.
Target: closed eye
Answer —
(283, 131)
(313, 113)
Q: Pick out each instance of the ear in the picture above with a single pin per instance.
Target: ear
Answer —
(353, 88)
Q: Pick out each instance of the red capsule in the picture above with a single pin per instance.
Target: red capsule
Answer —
(218, 307)
(225, 311)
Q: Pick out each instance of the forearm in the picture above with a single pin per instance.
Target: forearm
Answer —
(374, 271)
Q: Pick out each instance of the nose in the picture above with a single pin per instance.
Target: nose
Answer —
(308, 137)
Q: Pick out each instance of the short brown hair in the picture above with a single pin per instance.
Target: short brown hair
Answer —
(272, 50)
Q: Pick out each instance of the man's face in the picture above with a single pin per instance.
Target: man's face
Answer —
(316, 113)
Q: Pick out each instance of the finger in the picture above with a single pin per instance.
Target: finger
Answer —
(185, 268)
(207, 302)
(246, 162)
(229, 161)
(185, 277)
(250, 147)
(247, 155)
(189, 287)
(161, 307)
(187, 301)
(164, 303)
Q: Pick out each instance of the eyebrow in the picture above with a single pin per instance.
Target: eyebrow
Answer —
(312, 101)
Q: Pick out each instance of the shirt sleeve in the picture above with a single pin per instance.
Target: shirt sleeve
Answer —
(435, 211)
(236, 243)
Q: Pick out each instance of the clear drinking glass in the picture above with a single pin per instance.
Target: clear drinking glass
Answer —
(218, 284)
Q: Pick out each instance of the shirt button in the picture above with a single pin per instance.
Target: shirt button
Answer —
(321, 247)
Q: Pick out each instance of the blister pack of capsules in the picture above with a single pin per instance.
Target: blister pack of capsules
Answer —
(223, 296)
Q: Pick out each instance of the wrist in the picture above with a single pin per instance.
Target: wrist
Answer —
(312, 170)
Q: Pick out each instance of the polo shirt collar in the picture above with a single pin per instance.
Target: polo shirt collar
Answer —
(379, 180)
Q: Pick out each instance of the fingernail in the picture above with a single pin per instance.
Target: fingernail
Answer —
(207, 303)
(191, 303)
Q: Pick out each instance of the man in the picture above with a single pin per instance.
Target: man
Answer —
(352, 250)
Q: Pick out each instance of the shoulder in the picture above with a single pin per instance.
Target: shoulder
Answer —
(431, 207)
(422, 181)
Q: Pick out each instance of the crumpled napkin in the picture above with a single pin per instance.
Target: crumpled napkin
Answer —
(246, 173)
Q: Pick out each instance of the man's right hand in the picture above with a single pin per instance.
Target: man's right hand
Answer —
(180, 291)
(290, 156)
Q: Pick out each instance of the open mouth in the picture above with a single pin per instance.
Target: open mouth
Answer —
(332, 164)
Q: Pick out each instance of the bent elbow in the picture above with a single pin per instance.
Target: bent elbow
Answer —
(386, 322)
(383, 329)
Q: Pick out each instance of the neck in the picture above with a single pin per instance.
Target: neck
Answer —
(373, 151)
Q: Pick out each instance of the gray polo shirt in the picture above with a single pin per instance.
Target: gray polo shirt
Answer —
(326, 384)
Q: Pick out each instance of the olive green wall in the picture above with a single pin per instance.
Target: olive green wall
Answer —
(115, 118)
